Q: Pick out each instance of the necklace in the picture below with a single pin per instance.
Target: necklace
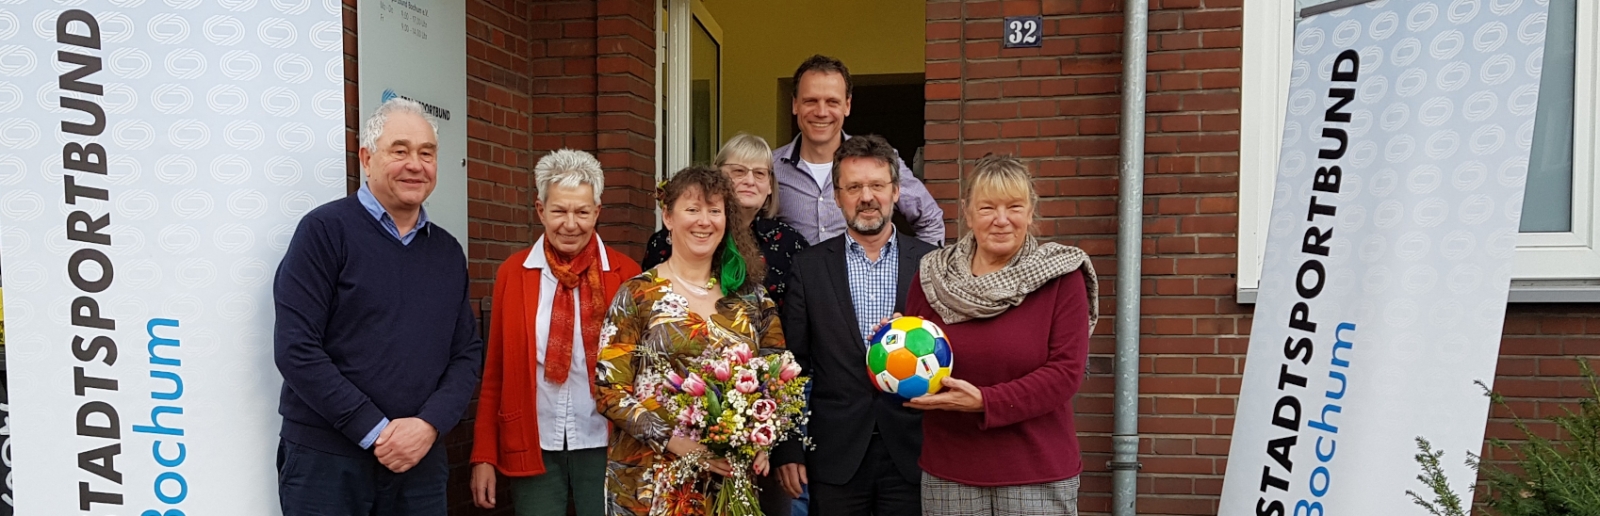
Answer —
(695, 289)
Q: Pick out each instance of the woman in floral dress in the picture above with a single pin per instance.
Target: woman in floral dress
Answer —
(706, 297)
(747, 160)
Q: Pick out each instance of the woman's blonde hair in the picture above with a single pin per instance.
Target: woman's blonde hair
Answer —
(1001, 175)
(748, 147)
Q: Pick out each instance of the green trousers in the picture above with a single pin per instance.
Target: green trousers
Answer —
(582, 473)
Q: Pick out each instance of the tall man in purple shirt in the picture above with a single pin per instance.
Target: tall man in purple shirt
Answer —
(374, 337)
(804, 167)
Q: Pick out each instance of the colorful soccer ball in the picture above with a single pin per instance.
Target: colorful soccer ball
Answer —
(909, 357)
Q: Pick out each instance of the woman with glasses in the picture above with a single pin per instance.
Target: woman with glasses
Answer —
(747, 160)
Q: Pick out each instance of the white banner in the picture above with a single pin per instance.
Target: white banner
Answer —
(154, 160)
(1389, 254)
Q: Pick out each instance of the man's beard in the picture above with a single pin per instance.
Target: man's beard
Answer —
(864, 228)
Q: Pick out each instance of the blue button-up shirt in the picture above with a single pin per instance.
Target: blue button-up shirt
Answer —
(872, 282)
(810, 207)
(375, 208)
(377, 211)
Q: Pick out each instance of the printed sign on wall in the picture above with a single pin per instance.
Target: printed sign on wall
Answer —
(416, 49)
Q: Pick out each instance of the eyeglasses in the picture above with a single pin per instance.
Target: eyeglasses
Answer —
(739, 172)
(855, 189)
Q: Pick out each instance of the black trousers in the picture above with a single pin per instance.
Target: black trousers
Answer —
(877, 489)
(317, 483)
(774, 500)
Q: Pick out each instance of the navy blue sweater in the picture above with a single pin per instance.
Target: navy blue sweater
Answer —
(368, 328)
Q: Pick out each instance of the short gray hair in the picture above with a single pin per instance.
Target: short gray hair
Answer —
(568, 168)
(372, 128)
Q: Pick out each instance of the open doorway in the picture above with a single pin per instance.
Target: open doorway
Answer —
(736, 53)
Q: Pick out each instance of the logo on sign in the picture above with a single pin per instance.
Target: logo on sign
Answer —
(436, 111)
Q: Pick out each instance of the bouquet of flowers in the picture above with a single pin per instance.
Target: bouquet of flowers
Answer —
(736, 404)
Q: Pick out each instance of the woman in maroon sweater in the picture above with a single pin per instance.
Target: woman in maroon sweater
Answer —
(999, 439)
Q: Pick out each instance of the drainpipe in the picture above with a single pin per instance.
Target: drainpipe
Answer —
(1130, 235)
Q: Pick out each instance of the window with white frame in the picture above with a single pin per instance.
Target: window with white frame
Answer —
(1558, 251)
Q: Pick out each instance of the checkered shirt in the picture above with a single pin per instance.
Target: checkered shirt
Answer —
(872, 283)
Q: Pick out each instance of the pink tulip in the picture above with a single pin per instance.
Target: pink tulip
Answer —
(789, 372)
(722, 371)
(691, 416)
(764, 409)
(694, 386)
(763, 435)
(675, 380)
(748, 382)
(740, 354)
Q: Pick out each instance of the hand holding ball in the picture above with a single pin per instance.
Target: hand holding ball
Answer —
(909, 357)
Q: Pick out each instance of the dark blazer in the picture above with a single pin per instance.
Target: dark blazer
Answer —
(819, 325)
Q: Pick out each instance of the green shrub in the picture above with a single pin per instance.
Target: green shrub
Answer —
(1445, 501)
(1549, 477)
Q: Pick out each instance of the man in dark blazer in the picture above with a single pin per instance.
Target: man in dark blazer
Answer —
(866, 444)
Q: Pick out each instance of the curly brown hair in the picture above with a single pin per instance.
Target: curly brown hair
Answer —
(713, 184)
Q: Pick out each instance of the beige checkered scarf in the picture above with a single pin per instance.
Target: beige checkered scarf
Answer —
(959, 296)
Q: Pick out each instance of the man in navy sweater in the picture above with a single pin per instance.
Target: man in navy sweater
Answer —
(374, 337)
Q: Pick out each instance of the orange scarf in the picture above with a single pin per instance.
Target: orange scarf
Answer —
(581, 272)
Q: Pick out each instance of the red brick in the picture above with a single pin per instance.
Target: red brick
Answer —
(1089, 25)
(942, 91)
(985, 9)
(1561, 325)
(943, 10)
(1178, 385)
(992, 69)
(1020, 7)
(1213, 19)
(1173, 446)
(1173, 365)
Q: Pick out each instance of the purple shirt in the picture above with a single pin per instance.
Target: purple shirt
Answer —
(812, 211)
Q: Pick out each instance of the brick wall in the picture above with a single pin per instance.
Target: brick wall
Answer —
(580, 74)
(542, 75)
(1538, 369)
(625, 121)
(1058, 107)
(591, 82)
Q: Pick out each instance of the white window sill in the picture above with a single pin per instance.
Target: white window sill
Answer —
(1522, 291)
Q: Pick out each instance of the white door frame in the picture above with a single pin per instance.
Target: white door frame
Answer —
(673, 56)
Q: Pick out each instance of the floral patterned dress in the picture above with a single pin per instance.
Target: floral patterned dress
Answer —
(649, 331)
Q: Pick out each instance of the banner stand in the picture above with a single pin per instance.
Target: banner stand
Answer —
(1389, 253)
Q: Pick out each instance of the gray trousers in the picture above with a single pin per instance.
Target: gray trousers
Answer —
(942, 497)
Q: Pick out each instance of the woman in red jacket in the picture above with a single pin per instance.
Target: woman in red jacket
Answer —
(1000, 440)
(536, 420)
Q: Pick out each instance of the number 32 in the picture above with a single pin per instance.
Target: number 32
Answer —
(1023, 31)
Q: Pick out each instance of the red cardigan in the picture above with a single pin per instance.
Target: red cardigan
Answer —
(1028, 363)
(506, 433)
